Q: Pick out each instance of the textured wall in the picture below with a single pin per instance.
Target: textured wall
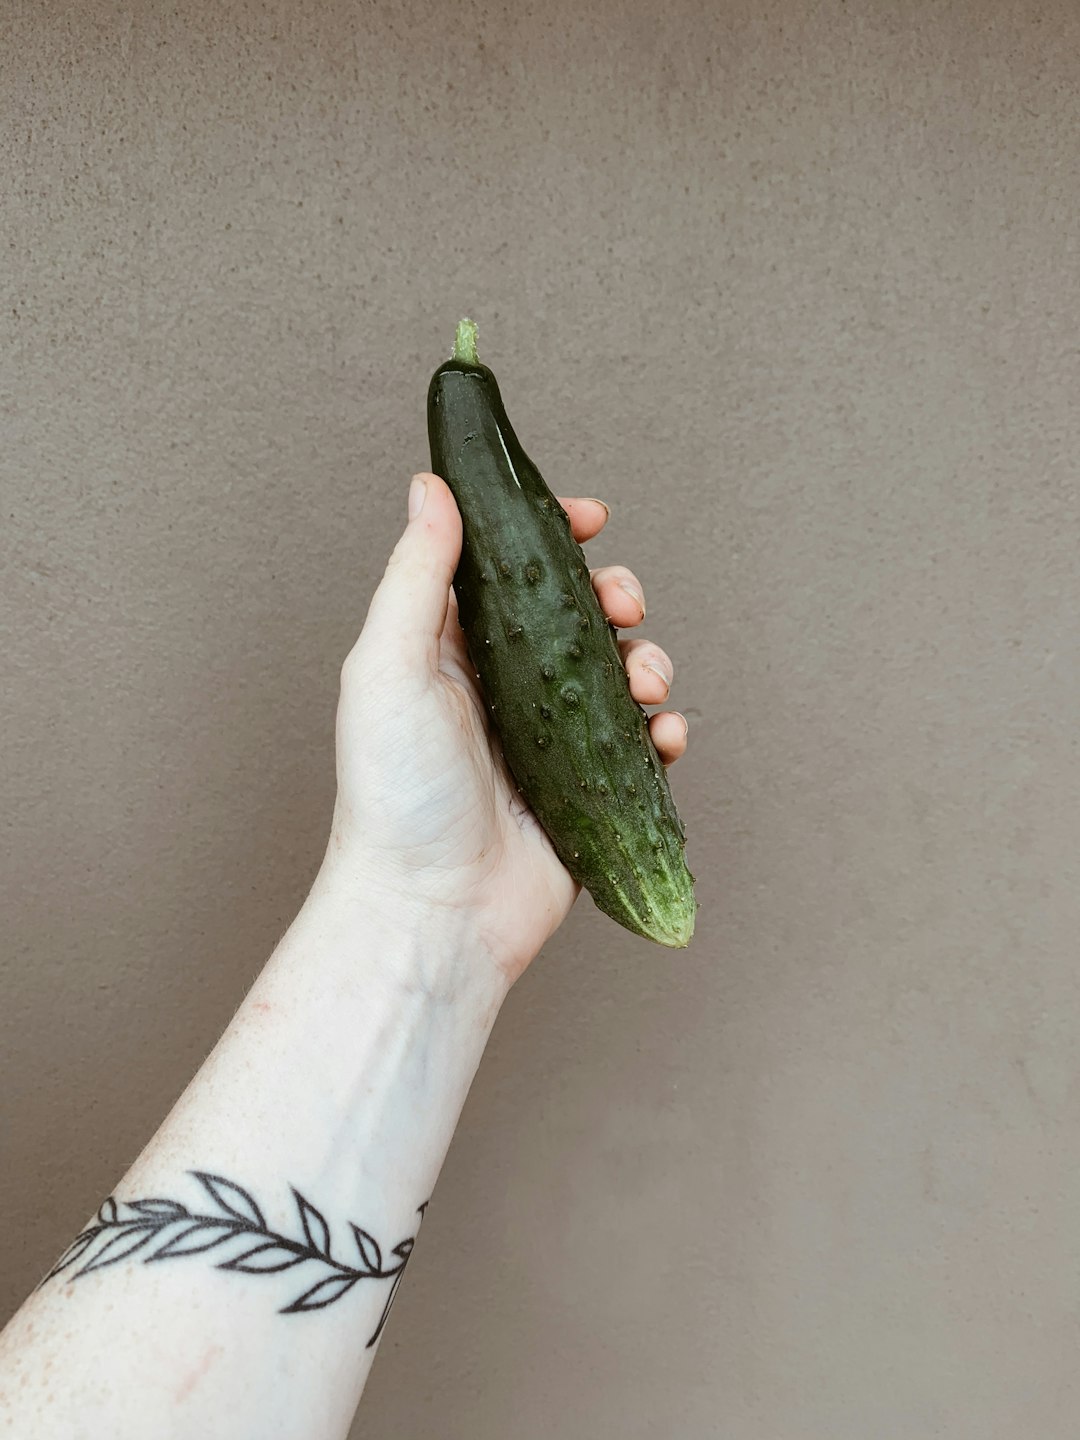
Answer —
(796, 287)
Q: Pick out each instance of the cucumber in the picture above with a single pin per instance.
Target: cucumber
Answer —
(576, 741)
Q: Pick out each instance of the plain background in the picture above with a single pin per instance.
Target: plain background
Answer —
(795, 287)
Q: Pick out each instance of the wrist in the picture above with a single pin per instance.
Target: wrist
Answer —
(376, 926)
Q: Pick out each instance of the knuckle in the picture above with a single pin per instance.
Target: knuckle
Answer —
(611, 574)
(643, 654)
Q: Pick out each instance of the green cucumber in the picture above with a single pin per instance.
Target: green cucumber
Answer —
(576, 741)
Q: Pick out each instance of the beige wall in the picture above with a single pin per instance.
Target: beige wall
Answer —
(797, 287)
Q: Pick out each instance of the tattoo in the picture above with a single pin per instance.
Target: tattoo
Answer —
(164, 1230)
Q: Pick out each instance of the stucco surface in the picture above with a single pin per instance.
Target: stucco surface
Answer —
(796, 287)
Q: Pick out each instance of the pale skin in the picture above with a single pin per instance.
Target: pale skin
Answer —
(345, 1069)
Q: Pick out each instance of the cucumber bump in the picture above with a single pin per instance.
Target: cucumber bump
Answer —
(574, 738)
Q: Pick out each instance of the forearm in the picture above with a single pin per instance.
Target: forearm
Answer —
(341, 1078)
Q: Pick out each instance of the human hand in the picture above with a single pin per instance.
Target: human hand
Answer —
(427, 809)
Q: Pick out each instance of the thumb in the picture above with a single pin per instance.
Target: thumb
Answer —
(408, 610)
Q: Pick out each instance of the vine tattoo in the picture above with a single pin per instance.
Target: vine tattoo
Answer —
(165, 1230)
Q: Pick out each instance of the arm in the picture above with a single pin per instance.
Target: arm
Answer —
(342, 1075)
(237, 1281)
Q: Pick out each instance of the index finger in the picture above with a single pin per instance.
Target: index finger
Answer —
(587, 516)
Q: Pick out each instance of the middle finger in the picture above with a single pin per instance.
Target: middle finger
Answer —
(648, 669)
(620, 594)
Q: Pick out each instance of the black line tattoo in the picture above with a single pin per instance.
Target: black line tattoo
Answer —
(164, 1230)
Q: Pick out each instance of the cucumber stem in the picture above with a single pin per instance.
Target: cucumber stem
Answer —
(465, 343)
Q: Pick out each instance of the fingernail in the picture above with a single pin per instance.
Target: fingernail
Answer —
(635, 595)
(417, 495)
(607, 508)
(658, 670)
(685, 723)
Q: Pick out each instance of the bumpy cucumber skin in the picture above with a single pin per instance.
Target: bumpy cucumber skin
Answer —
(576, 741)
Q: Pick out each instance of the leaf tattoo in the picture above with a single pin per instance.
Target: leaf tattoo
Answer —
(157, 1207)
(323, 1294)
(315, 1227)
(231, 1198)
(160, 1229)
(368, 1246)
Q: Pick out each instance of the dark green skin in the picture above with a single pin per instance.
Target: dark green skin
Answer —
(576, 741)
